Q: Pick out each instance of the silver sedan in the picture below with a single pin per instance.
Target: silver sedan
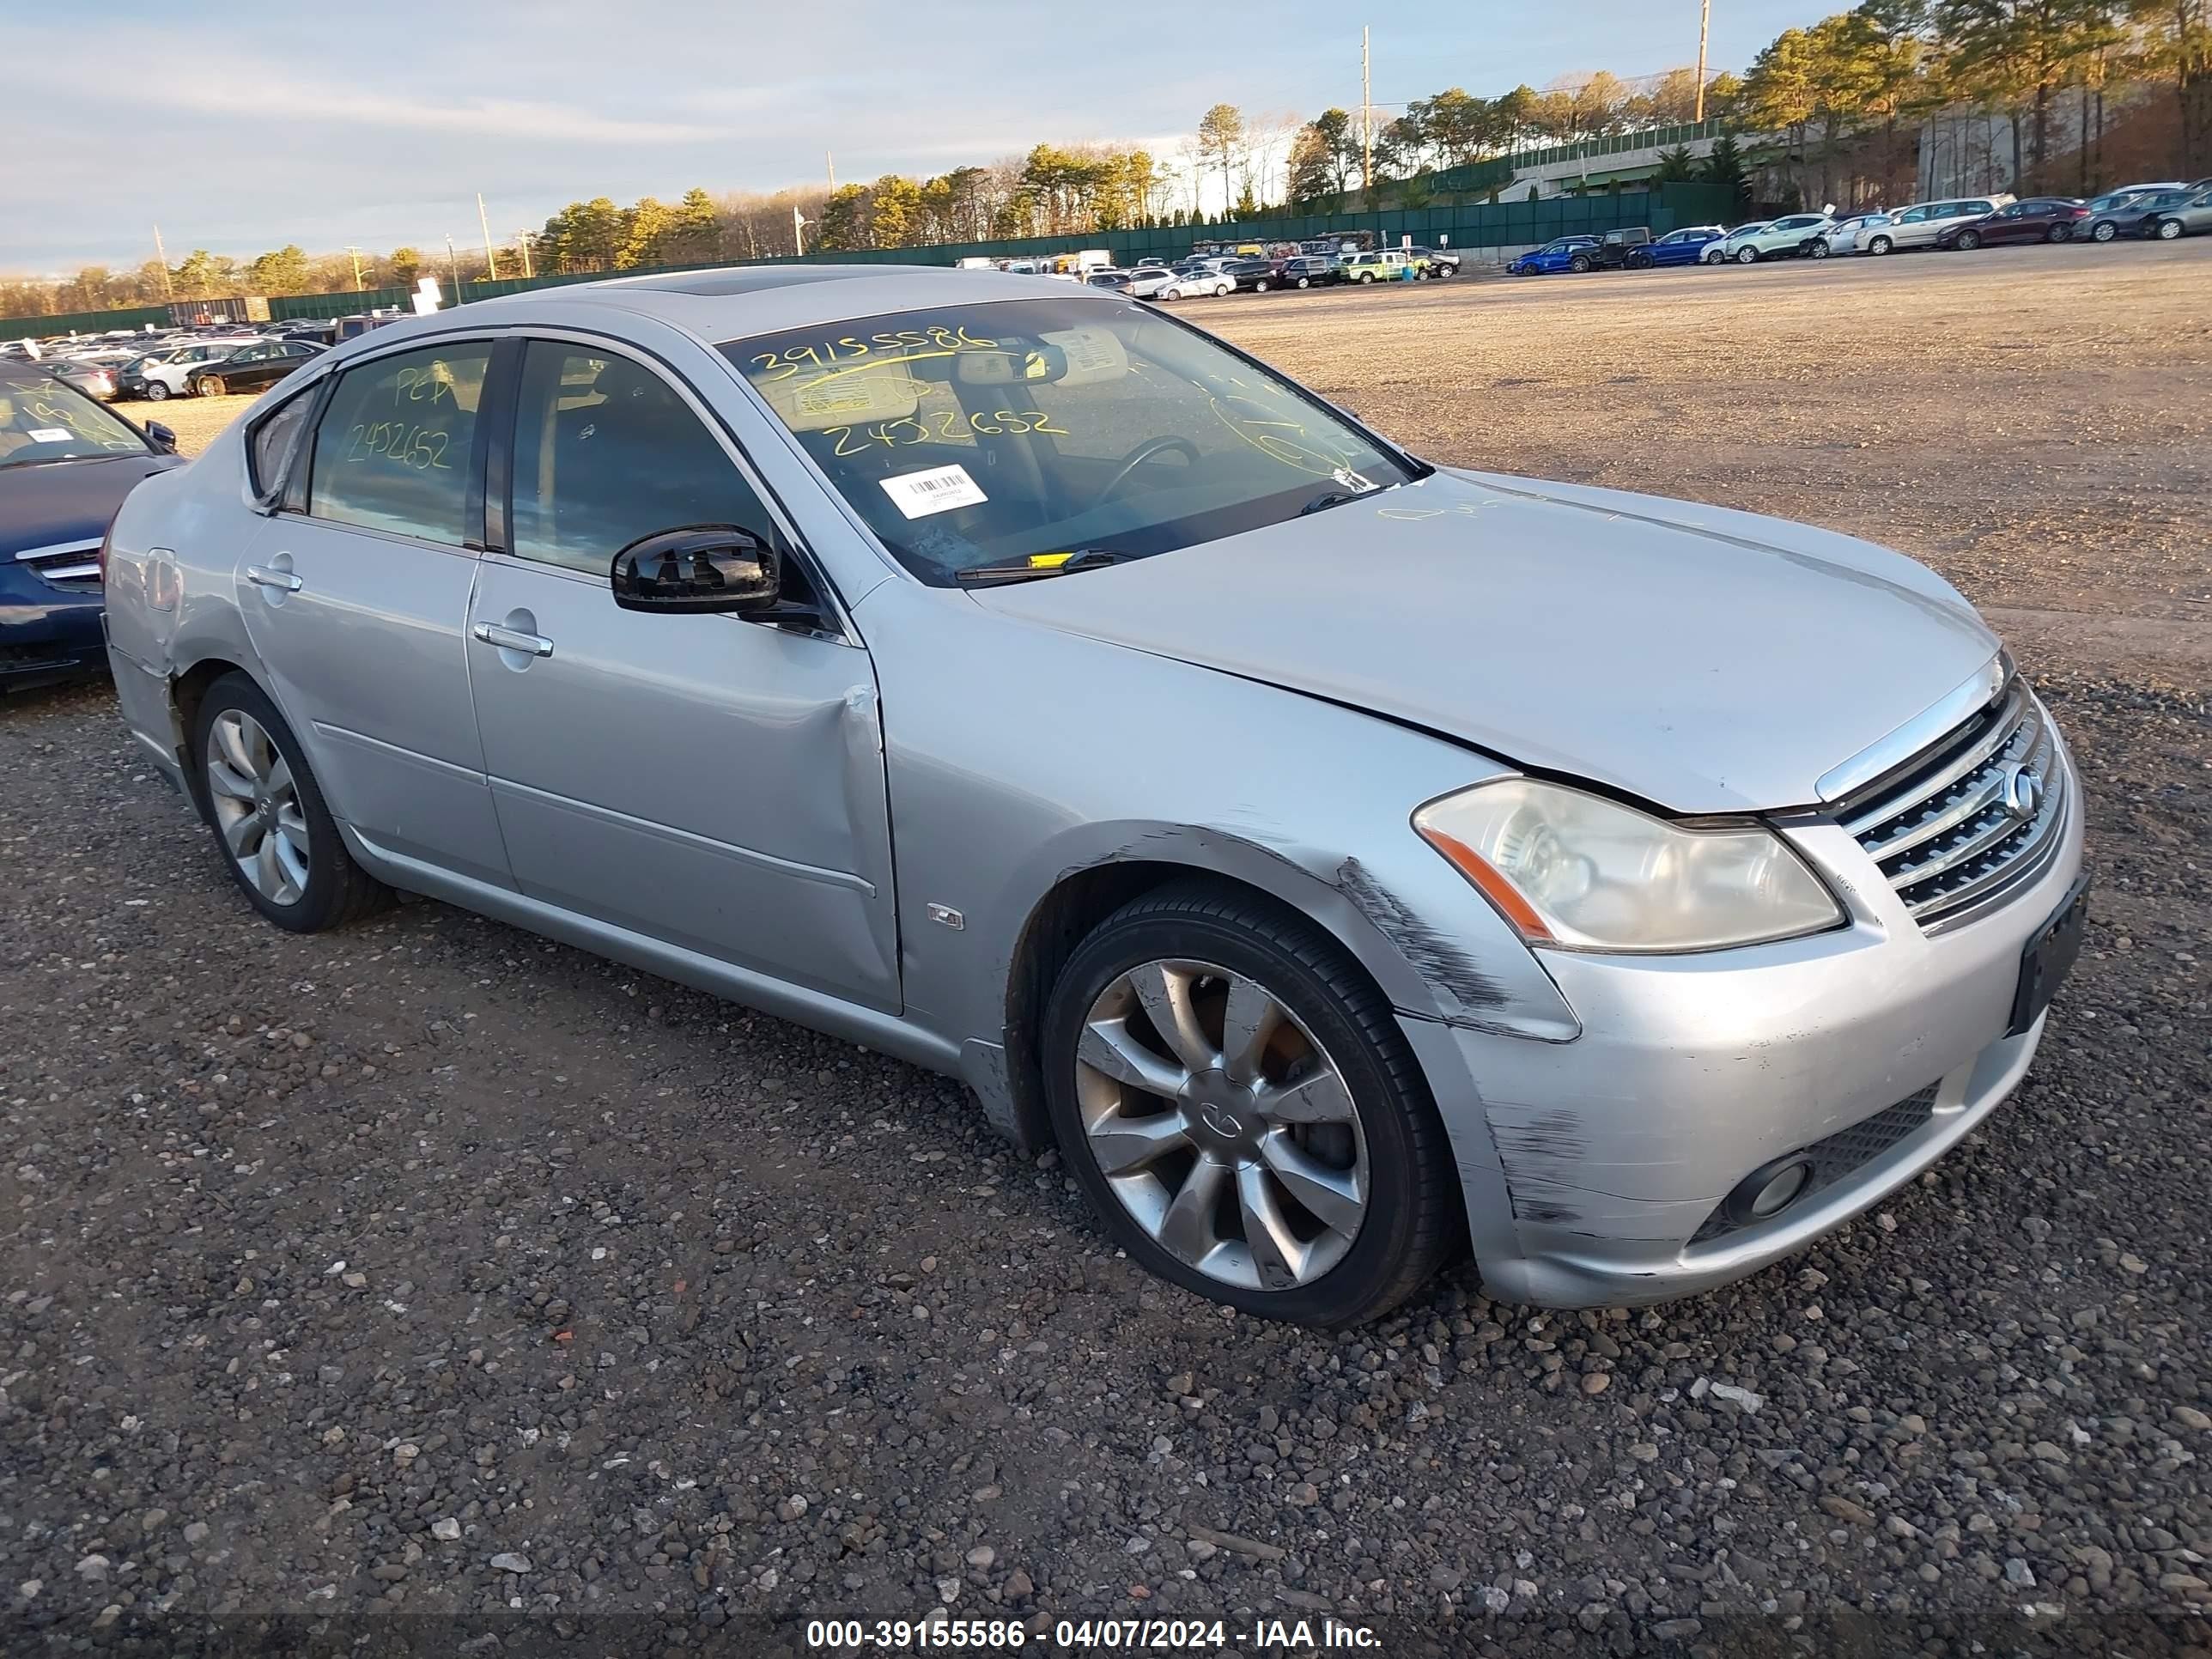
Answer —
(1343, 860)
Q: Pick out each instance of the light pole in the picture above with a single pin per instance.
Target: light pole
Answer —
(453, 269)
(522, 241)
(1704, 29)
(355, 251)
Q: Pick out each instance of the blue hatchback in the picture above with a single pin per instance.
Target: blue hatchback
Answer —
(1576, 253)
(66, 463)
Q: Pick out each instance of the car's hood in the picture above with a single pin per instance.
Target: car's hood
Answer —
(1707, 661)
(58, 502)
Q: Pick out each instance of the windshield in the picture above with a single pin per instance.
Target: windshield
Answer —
(43, 420)
(1031, 429)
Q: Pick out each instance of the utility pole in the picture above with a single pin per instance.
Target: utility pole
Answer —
(491, 263)
(162, 255)
(453, 267)
(522, 241)
(798, 230)
(832, 161)
(355, 251)
(1366, 122)
(1704, 29)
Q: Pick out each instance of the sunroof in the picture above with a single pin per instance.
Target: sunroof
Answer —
(746, 279)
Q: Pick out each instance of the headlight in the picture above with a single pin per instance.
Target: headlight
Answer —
(1582, 873)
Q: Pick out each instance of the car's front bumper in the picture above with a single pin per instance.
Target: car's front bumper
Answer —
(47, 634)
(1592, 1170)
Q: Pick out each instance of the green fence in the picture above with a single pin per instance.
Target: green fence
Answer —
(1471, 226)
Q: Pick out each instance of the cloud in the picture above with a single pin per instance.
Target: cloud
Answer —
(279, 99)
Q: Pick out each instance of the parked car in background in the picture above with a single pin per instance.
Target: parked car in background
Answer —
(1575, 253)
(1435, 262)
(2192, 216)
(66, 463)
(1622, 248)
(1686, 246)
(251, 368)
(2038, 219)
(1778, 239)
(1716, 252)
(1919, 225)
(1630, 979)
(1190, 282)
(93, 379)
(1378, 265)
(1254, 274)
(2136, 214)
(168, 374)
(1312, 271)
(1848, 235)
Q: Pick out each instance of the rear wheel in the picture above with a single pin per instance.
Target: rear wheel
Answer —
(2059, 234)
(2104, 231)
(1366, 276)
(1305, 282)
(1262, 286)
(270, 821)
(208, 386)
(1818, 248)
(1579, 264)
(1240, 1107)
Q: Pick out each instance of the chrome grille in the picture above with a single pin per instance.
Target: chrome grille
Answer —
(73, 564)
(1973, 816)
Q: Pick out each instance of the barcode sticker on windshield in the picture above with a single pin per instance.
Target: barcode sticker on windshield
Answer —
(49, 435)
(940, 489)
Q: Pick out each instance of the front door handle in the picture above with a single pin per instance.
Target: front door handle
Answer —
(511, 639)
(262, 575)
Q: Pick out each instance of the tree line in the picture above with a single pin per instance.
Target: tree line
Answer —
(1845, 95)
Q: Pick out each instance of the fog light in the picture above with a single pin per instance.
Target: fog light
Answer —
(1769, 1190)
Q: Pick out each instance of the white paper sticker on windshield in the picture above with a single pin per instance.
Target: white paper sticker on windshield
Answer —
(49, 435)
(1353, 480)
(940, 489)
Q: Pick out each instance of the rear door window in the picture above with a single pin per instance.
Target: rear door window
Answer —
(395, 448)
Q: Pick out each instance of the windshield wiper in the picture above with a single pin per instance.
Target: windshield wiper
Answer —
(1329, 498)
(1023, 570)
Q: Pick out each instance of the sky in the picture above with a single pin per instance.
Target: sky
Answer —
(243, 125)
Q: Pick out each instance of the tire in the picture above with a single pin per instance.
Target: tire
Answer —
(2170, 230)
(1223, 290)
(1968, 240)
(1262, 286)
(156, 391)
(1305, 282)
(207, 386)
(2059, 233)
(1639, 262)
(1579, 265)
(1331, 1016)
(1747, 256)
(1713, 257)
(1879, 246)
(1818, 248)
(1366, 276)
(335, 890)
(2103, 231)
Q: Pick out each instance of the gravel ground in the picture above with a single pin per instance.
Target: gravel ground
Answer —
(397, 1280)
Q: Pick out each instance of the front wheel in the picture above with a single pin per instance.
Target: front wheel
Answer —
(1968, 241)
(1819, 250)
(2169, 230)
(156, 391)
(1747, 256)
(275, 831)
(208, 386)
(1240, 1107)
(1715, 256)
(2104, 231)
(1262, 286)
(2059, 234)
(1366, 276)
(1305, 282)
(1879, 246)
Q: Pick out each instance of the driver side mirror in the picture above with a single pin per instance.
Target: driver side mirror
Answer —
(700, 568)
(161, 437)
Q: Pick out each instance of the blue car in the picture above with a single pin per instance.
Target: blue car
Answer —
(66, 463)
(1686, 246)
(1576, 253)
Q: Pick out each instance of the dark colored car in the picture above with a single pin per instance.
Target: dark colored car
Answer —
(66, 463)
(2038, 219)
(253, 368)
(2133, 216)
(1575, 253)
(1312, 271)
(1435, 261)
(1256, 274)
(1626, 249)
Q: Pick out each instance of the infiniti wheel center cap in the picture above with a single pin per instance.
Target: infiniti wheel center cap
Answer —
(1224, 1117)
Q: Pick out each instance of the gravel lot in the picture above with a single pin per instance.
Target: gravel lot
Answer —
(427, 1271)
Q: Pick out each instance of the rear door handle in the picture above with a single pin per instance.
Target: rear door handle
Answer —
(262, 575)
(511, 639)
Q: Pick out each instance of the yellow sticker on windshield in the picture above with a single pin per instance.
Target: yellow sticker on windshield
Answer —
(1049, 561)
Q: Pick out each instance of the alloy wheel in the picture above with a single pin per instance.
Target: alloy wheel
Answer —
(256, 806)
(1221, 1125)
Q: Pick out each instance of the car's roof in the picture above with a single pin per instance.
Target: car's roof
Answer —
(735, 303)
